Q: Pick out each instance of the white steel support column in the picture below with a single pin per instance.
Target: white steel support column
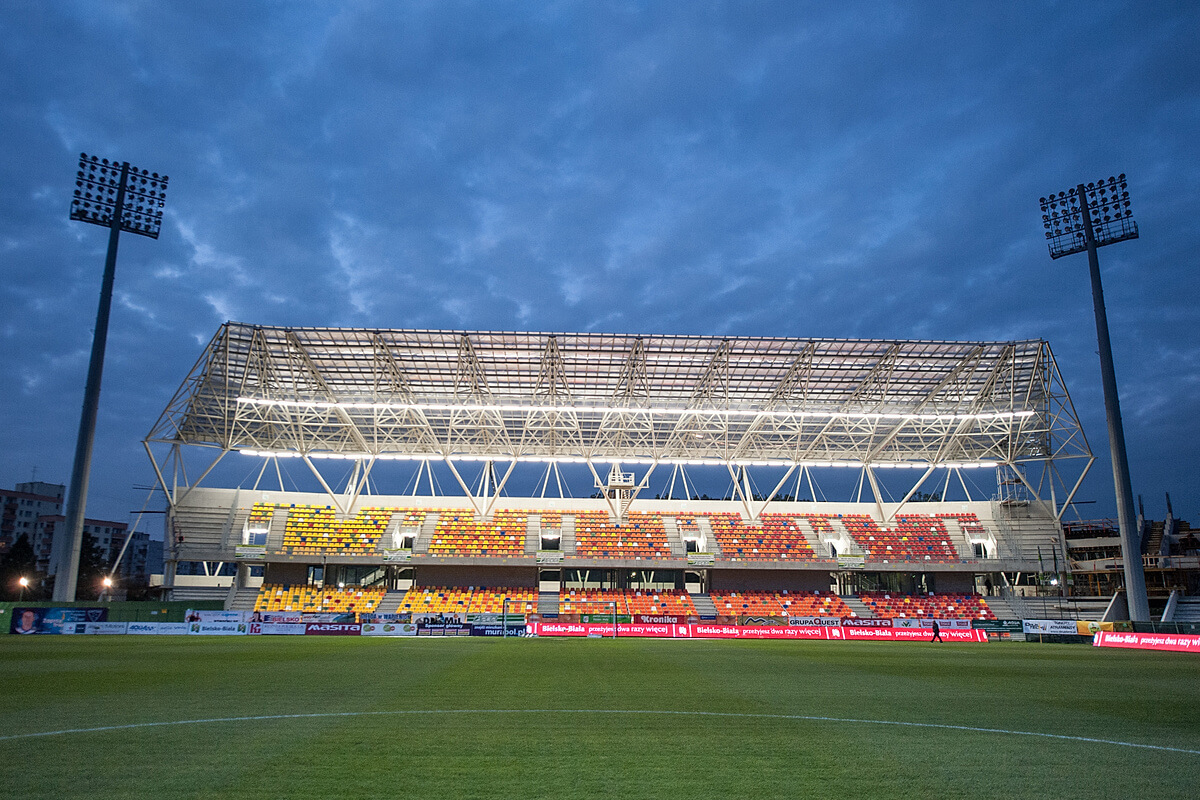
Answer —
(332, 494)
(874, 489)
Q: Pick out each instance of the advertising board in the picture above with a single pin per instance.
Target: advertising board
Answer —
(253, 552)
(1058, 627)
(332, 629)
(157, 628)
(218, 628)
(390, 629)
(1177, 642)
(32, 619)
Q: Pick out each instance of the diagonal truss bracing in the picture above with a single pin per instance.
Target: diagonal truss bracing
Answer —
(590, 396)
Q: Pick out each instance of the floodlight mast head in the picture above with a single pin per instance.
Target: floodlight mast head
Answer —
(1084, 219)
(1104, 205)
(119, 197)
(102, 187)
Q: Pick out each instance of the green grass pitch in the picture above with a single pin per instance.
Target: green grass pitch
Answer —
(583, 718)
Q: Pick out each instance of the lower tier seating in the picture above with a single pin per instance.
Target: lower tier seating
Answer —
(468, 600)
(314, 599)
(780, 604)
(925, 606)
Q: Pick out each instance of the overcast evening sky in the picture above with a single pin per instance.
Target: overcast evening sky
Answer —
(802, 169)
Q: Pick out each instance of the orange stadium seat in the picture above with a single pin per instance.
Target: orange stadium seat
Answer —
(941, 606)
(314, 530)
(916, 538)
(641, 537)
(777, 538)
(459, 534)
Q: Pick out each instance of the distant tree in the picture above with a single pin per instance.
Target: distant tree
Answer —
(927, 497)
(20, 561)
(92, 569)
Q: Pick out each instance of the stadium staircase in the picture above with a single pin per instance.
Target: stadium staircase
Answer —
(704, 605)
(205, 527)
(1152, 537)
(567, 545)
(242, 600)
(425, 535)
(674, 541)
(275, 530)
(194, 594)
(533, 534)
(958, 537)
(1022, 535)
(547, 602)
(1001, 608)
(390, 604)
(858, 607)
(709, 537)
(819, 547)
(1187, 609)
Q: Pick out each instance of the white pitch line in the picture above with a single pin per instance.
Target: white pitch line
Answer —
(800, 717)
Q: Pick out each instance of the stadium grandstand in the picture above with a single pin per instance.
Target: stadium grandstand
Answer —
(594, 422)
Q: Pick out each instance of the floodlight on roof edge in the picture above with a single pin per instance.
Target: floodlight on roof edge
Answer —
(1086, 218)
(119, 197)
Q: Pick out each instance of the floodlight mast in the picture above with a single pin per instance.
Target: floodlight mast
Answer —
(118, 197)
(1070, 228)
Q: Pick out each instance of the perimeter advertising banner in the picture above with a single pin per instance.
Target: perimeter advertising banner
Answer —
(277, 628)
(218, 628)
(332, 629)
(927, 624)
(1178, 642)
(915, 634)
(1058, 627)
(496, 629)
(713, 631)
(157, 628)
(389, 629)
(54, 620)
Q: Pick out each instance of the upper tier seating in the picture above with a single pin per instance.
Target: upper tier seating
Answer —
(459, 534)
(313, 530)
(916, 537)
(819, 522)
(641, 537)
(312, 599)
(925, 606)
(969, 523)
(776, 539)
(260, 516)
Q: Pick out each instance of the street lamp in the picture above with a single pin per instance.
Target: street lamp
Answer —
(108, 582)
(120, 198)
(1086, 218)
(24, 585)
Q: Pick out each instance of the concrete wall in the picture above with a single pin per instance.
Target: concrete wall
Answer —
(438, 575)
(770, 580)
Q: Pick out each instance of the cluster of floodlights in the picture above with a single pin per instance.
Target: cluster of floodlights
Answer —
(1106, 203)
(97, 189)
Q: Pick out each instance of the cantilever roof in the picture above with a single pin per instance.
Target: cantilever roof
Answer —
(504, 395)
